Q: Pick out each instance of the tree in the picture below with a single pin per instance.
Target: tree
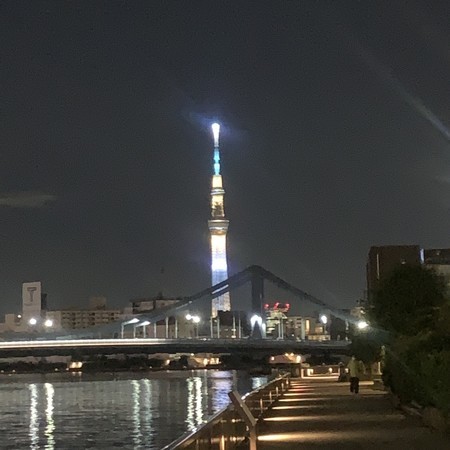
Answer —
(408, 301)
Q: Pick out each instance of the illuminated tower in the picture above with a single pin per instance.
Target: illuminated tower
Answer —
(218, 227)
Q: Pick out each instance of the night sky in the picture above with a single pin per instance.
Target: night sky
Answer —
(335, 137)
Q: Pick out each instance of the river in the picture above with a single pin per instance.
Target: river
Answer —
(103, 411)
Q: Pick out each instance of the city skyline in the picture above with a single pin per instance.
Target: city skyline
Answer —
(336, 128)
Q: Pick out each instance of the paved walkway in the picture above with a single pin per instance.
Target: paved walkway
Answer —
(323, 414)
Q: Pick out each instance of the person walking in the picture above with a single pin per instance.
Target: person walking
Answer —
(355, 369)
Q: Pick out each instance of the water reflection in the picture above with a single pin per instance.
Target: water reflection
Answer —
(34, 424)
(50, 428)
(194, 410)
(147, 412)
(258, 382)
(137, 435)
(223, 384)
(130, 411)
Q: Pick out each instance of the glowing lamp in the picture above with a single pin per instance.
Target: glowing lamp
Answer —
(362, 325)
(255, 319)
(216, 130)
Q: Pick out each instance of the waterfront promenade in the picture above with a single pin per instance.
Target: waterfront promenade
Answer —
(323, 414)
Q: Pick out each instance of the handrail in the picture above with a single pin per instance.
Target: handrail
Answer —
(225, 429)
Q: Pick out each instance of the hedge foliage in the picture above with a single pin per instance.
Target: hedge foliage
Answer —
(417, 358)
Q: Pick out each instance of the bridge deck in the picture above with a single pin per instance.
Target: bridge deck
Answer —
(323, 414)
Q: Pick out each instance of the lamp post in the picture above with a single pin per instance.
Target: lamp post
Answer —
(195, 320)
(362, 325)
(144, 329)
(239, 326)
(324, 319)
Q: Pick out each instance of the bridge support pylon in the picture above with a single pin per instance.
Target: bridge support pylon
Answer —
(257, 282)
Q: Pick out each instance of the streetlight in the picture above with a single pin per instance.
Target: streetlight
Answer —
(32, 321)
(128, 322)
(324, 319)
(362, 325)
(48, 323)
(194, 319)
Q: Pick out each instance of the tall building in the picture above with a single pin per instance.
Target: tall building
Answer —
(384, 259)
(218, 228)
(438, 259)
(33, 301)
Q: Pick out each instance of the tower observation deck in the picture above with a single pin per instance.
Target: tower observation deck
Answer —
(218, 228)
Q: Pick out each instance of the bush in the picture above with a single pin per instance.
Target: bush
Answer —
(413, 372)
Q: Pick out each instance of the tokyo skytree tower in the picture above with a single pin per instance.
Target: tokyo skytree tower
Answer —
(218, 227)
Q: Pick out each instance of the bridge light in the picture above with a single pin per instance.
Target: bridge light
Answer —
(134, 320)
(255, 319)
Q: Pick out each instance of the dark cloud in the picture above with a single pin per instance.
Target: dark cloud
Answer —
(29, 199)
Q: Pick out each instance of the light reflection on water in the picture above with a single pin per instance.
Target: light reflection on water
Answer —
(34, 427)
(50, 392)
(104, 411)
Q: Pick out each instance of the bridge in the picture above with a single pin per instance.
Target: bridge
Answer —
(257, 347)
(254, 275)
(109, 338)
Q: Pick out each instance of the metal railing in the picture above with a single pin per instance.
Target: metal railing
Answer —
(226, 430)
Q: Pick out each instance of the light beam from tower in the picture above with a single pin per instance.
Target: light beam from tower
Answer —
(218, 228)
